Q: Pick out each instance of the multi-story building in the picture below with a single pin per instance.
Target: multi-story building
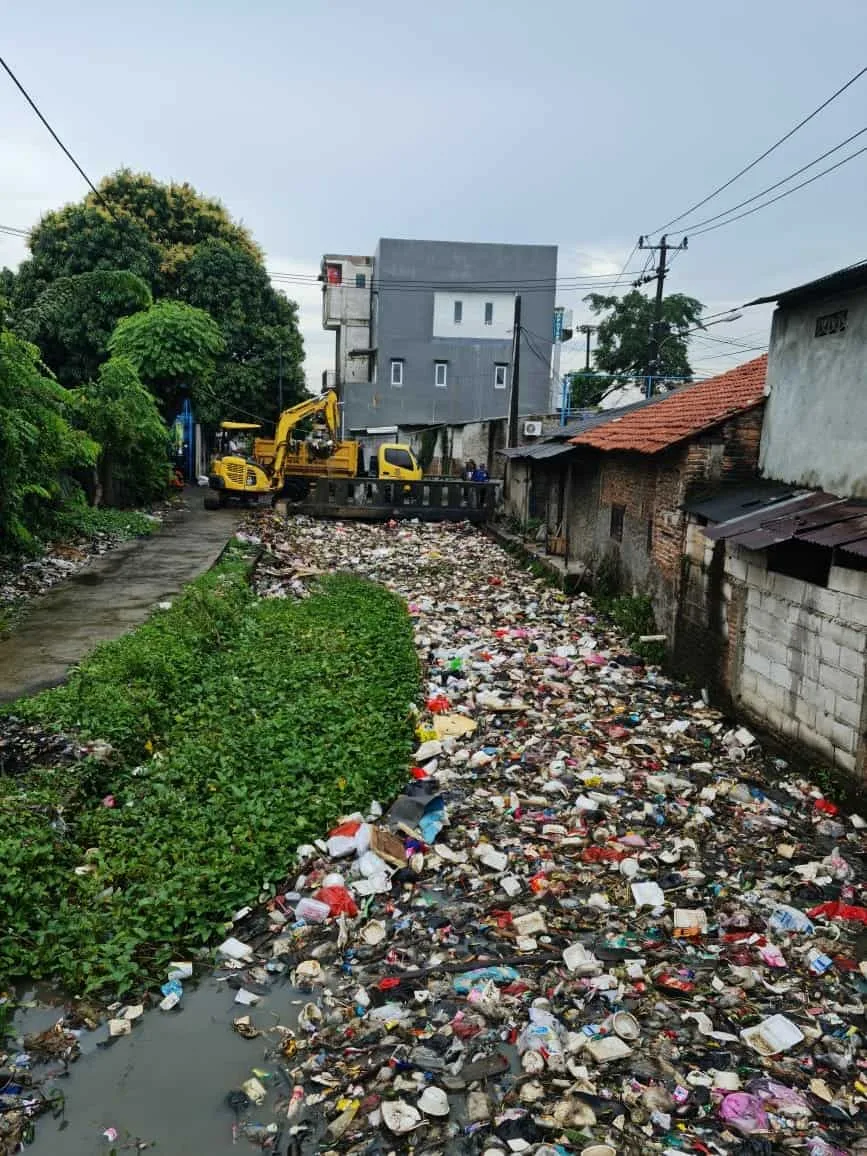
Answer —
(425, 331)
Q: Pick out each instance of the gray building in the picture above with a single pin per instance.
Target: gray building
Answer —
(440, 331)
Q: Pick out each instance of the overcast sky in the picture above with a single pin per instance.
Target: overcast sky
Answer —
(325, 125)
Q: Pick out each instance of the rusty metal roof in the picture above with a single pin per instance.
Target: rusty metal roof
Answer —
(817, 517)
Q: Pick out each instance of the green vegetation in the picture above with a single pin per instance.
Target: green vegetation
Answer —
(78, 520)
(633, 615)
(167, 242)
(241, 728)
(173, 346)
(39, 449)
(623, 332)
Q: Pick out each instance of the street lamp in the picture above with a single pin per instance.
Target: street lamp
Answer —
(696, 329)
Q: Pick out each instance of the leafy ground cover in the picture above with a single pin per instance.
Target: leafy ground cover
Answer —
(241, 727)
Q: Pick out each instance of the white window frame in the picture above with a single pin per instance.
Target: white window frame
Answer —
(505, 368)
(396, 363)
(489, 320)
(458, 313)
(444, 366)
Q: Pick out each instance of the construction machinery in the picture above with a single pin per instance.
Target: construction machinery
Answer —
(287, 467)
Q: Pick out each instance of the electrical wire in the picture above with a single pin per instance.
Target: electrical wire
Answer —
(780, 196)
(761, 157)
(57, 139)
(776, 184)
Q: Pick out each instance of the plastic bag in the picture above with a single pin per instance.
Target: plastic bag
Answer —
(744, 1112)
(338, 899)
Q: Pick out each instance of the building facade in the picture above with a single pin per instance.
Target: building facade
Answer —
(435, 344)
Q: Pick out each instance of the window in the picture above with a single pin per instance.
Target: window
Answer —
(616, 530)
(397, 371)
(501, 373)
(360, 280)
(400, 458)
(441, 373)
(459, 312)
(489, 313)
(334, 274)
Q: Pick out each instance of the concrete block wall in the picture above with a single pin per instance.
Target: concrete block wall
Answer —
(802, 655)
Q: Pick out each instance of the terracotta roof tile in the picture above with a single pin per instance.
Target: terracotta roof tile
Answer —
(685, 413)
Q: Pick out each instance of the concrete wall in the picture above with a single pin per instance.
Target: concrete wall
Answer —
(816, 386)
(404, 327)
(346, 311)
(797, 661)
(472, 322)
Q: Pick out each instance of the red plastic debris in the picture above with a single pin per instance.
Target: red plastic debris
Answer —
(826, 807)
(837, 910)
(339, 901)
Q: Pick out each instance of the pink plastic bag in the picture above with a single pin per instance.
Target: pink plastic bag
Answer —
(744, 1112)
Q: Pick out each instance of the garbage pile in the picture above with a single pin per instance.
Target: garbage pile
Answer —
(600, 919)
(43, 1057)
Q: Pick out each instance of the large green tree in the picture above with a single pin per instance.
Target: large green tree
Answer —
(122, 416)
(72, 320)
(174, 348)
(39, 449)
(625, 327)
(183, 246)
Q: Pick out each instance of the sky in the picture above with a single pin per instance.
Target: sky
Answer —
(325, 125)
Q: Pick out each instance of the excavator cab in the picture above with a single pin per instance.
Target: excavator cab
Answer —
(233, 473)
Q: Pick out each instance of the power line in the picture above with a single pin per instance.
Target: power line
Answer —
(780, 196)
(57, 139)
(766, 153)
(776, 184)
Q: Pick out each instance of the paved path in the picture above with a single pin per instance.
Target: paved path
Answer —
(109, 596)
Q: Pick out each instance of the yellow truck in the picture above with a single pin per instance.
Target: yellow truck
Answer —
(285, 467)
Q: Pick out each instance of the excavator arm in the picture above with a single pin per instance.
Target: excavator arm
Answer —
(289, 418)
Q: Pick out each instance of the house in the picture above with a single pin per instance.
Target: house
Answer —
(625, 494)
(775, 585)
(424, 331)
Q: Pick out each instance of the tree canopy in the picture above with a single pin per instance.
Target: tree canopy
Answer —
(184, 247)
(173, 347)
(624, 331)
(72, 320)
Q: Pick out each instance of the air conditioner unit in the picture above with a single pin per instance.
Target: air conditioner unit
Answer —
(532, 429)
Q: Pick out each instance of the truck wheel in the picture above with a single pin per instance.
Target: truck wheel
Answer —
(212, 501)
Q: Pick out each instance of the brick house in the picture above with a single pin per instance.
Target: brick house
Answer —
(775, 581)
(631, 475)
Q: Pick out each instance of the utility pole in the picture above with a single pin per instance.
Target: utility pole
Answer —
(587, 330)
(516, 370)
(655, 333)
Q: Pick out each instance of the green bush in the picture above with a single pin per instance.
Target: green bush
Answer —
(265, 719)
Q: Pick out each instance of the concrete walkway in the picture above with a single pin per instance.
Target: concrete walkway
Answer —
(112, 594)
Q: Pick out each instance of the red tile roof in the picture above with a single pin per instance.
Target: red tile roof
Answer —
(683, 414)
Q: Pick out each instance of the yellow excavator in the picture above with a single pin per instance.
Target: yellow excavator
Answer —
(283, 467)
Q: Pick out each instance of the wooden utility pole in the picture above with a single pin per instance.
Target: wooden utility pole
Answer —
(587, 330)
(514, 394)
(655, 333)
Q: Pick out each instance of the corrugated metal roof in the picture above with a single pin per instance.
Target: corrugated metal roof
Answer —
(736, 499)
(540, 451)
(842, 281)
(820, 518)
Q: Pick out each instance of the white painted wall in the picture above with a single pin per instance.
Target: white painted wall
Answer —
(816, 412)
(803, 655)
(472, 324)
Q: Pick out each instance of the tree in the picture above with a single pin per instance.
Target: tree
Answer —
(72, 320)
(173, 347)
(587, 389)
(122, 416)
(186, 247)
(623, 334)
(38, 446)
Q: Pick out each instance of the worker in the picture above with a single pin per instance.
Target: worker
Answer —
(479, 474)
(469, 470)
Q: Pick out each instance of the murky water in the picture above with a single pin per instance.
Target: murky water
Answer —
(166, 1082)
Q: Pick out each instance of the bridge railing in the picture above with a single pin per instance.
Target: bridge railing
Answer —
(447, 499)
